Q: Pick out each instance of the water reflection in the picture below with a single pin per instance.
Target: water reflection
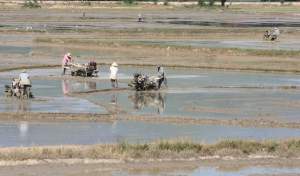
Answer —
(69, 86)
(24, 106)
(14, 104)
(114, 99)
(23, 129)
(142, 100)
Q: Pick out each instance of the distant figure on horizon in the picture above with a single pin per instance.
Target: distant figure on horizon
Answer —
(140, 18)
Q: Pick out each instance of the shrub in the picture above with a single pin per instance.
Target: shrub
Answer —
(166, 2)
(211, 2)
(31, 4)
(201, 2)
(155, 2)
(128, 2)
(206, 2)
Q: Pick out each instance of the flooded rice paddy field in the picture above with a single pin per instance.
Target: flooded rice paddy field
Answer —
(192, 93)
(17, 134)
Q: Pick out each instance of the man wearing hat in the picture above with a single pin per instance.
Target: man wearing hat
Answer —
(113, 74)
(24, 80)
(66, 61)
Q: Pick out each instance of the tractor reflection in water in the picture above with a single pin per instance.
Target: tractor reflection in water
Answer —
(142, 100)
(14, 105)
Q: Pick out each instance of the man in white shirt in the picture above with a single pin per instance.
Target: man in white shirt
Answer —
(24, 79)
(113, 75)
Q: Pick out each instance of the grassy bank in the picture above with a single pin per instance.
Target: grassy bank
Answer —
(178, 149)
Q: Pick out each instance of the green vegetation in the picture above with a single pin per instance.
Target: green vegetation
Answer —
(31, 4)
(128, 2)
(155, 2)
(177, 149)
(206, 2)
(166, 2)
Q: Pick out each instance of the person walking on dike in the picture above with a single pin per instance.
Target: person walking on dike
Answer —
(113, 74)
(67, 60)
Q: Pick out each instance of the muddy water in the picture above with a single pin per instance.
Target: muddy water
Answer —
(31, 133)
(214, 171)
(15, 50)
(191, 93)
(51, 96)
(212, 94)
(266, 45)
(213, 104)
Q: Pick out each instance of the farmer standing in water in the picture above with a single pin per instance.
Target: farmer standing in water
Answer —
(66, 62)
(113, 75)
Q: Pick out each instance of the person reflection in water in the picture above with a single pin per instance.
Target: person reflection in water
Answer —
(148, 99)
(114, 99)
(65, 86)
(89, 85)
(23, 129)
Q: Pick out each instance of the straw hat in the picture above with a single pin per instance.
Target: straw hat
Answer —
(24, 71)
(114, 64)
(69, 55)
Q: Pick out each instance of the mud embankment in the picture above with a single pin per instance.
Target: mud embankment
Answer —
(89, 117)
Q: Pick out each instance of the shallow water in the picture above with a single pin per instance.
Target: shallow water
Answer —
(39, 133)
(213, 103)
(191, 93)
(50, 104)
(52, 96)
(213, 171)
(265, 45)
(185, 77)
(15, 49)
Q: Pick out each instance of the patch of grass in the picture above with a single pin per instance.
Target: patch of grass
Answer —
(265, 8)
(273, 53)
(161, 149)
